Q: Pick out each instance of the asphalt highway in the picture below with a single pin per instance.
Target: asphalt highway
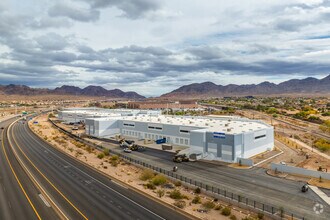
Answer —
(19, 198)
(79, 191)
(252, 183)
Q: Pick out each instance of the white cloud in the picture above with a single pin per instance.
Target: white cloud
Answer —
(153, 46)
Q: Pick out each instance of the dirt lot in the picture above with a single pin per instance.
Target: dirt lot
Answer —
(130, 174)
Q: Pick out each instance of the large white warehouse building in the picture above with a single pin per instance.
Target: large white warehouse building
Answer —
(212, 138)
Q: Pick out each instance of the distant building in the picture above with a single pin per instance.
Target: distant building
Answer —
(163, 105)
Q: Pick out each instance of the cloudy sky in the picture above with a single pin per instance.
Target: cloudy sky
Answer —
(155, 46)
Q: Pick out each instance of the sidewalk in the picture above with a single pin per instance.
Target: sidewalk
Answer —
(321, 194)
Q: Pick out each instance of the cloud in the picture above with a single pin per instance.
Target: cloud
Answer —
(52, 41)
(73, 12)
(132, 9)
(155, 46)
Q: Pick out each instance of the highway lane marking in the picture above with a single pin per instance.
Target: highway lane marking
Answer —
(135, 203)
(119, 184)
(57, 190)
(33, 178)
(18, 181)
(44, 200)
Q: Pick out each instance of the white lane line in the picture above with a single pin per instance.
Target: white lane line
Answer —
(119, 184)
(44, 200)
(137, 204)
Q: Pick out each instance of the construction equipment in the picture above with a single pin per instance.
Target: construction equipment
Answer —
(130, 145)
(180, 158)
(167, 147)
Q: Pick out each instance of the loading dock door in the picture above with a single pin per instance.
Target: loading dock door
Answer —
(227, 152)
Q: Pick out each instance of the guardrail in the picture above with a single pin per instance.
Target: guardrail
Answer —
(274, 212)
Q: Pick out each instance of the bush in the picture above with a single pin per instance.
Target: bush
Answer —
(197, 200)
(160, 193)
(176, 194)
(208, 205)
(89, 149)
(100, 155)
(114, 160)
(226, 211)
(218, 207)
(106, 152)
(260, 215)
(322, 144)
(178, 183)
(180, 204)
(150, 186)
(146, 175)
(197, 190)
(233, 217)
(159, 180)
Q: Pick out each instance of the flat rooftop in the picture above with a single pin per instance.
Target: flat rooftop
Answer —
(228, 125)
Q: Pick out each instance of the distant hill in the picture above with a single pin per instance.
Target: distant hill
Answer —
(68, 90)
(308, 86)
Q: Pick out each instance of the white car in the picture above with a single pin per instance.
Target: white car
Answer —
(127, 150)
(283, 163)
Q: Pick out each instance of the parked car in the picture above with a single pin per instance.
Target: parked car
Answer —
(175, 168)
(127, 150)
(283, 163)
(75, 128)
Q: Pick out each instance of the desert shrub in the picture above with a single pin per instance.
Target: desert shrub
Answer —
(218, 207)
(261, 215)
(146, 175)
(70, 149)
(233, 217)
(106, 152)
(114, 160)
(180, 204)
(160, 193)
(322, 144)
(150, 185)
(226, 211)
(159, 180)
(208, 205)
(197, 190)
(100, 155)
(197, 200)
(89, 149)
(176, 194)
(178, 183)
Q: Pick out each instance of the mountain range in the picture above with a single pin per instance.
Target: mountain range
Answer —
(68, 90)
(307, 86)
